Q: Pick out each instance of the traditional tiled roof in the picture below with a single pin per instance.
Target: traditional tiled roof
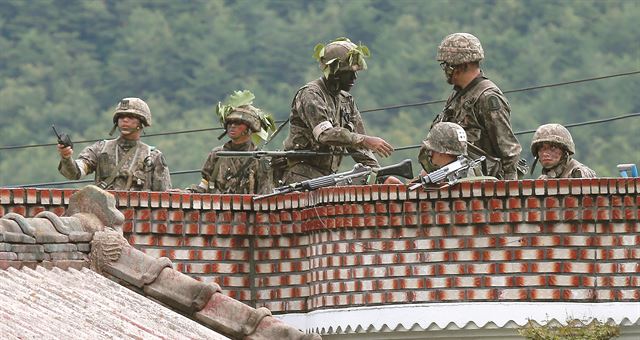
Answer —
(91, 234)
(81, 304)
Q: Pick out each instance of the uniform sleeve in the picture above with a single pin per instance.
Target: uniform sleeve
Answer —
(318, 116)
(497, 116)
(209, 164)
(84, 165)
(361, 155)
(161, 180)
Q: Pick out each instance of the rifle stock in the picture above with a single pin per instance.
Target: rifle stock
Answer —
(402, 169)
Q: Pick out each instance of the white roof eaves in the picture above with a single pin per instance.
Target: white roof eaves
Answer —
(451, 316)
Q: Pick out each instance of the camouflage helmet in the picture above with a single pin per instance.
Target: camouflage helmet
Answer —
(237, 107)
(341, 55)
(247, 114)
(460, 48)
(448, 138)
(133, 106)
(554, 134)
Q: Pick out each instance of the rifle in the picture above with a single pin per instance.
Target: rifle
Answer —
(402, 169)
(451, 172)
(289, 153)
(63, 138)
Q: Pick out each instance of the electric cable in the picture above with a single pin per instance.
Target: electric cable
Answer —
(524, 89)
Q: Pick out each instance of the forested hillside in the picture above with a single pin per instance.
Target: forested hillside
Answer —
(69, 62)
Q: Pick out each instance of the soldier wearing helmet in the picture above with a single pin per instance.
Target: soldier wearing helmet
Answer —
(553, 147)
(237, 175)
(445, 142)
(124, 163)
(324, 116)
(479, 106)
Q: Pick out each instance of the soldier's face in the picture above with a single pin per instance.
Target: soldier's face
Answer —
(129, 126)
(346, 79)
(550, 155)
(448, 72)
(237, 130)
(441, 159)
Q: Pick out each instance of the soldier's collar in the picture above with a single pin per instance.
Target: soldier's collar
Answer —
(331, 91)
(556, 170)
(125, 143)
(240, 147)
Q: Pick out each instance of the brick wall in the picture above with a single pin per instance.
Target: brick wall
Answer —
(557, 240)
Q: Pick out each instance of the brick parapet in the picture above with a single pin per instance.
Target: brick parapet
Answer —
(531, 240)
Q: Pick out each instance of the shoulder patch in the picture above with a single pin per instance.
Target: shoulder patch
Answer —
(494, 103)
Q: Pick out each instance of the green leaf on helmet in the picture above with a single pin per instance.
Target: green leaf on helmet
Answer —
(220, 112)
(329, 62)
(364, 50)
(318, 52)
(326, 72)
(236, 99)
(261, 135)
(341, 39)
(240, 98)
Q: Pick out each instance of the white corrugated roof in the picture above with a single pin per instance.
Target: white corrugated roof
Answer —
(449, 316)
(72, 304)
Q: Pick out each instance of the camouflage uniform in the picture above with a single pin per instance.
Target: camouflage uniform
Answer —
(326, 120)
(480, 108)
(235, 175)
(313, 105)
(138, 166)
(447, 138)
(567, 167)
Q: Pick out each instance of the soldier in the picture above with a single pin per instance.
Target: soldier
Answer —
(444, 143)
(479, 106)
(324, 116)
(237, 175)
(553, 146)
(124, 163)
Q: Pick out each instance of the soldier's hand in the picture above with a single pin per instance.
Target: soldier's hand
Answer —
(378, 145)
(392, 180)
(65, 152)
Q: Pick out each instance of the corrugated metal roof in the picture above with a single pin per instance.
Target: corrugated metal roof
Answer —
(72, 304)
(459, 316)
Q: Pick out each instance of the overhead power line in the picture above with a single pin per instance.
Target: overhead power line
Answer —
(530, 88)
(402, 148)
(13, 147)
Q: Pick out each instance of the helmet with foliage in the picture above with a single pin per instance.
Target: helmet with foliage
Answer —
(554, 134)
(237, 107)
(448, 138)
(460, 48)
(341, 55)
(133, 106)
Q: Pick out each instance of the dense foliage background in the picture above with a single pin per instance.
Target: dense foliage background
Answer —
(69, 62)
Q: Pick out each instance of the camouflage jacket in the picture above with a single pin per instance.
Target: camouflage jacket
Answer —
(484, 113)
(142, 168)
(568, 169)
(234, 175)
(326, 121)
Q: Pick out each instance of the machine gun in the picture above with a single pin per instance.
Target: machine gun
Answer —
(451, 172)
(63, 138)
(402, 169)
